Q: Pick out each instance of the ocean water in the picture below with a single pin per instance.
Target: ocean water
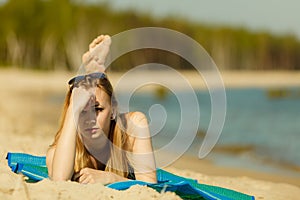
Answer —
(261, 130)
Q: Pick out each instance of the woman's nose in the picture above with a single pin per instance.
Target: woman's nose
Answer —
(90, 122)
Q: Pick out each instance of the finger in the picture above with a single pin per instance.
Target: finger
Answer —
(83, 179)
(83, 174)
(83, 171)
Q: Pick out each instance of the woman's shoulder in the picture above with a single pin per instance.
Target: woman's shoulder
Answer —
(136, 123)
(137, 127)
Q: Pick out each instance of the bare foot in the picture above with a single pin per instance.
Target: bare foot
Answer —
(94, 59)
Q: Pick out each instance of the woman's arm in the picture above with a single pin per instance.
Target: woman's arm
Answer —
(142, 157)
(60, 159)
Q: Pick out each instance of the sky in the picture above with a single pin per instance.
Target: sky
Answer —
(275, 16)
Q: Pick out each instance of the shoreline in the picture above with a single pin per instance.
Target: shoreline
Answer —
(231, 79)
(210, 168)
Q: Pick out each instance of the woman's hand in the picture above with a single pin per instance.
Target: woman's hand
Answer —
(80, 99)
(88, 175)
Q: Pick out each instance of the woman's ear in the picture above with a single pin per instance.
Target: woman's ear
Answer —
(113, 113)
(114, 107)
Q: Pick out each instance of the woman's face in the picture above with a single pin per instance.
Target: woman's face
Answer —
(94, 120)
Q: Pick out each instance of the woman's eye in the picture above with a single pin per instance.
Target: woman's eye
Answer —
(97, 109)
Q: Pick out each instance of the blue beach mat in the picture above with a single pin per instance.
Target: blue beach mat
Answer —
(35, 169)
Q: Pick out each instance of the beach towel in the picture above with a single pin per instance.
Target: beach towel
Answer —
(35, 169)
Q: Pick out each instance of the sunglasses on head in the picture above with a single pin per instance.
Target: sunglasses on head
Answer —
(77, 79)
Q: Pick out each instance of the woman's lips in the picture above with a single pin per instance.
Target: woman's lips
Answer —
(91, 130)
(94, 131)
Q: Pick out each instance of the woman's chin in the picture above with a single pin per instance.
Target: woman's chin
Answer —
(96, 135)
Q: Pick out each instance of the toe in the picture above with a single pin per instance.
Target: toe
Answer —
(107, 39)
(96, 41)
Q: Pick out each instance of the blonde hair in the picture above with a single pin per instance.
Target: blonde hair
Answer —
(118, 161)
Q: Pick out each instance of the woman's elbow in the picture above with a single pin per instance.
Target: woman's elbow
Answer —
(56, 174)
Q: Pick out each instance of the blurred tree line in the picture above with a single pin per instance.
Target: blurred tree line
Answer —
(53, 34)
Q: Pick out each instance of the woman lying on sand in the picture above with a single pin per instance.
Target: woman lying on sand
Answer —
(94, 143)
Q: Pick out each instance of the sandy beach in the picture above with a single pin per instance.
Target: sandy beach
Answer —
(30, 109)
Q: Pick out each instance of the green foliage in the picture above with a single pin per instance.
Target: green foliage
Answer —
(52, 34)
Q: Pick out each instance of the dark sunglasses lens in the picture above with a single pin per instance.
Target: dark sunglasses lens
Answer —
(77, 79)
(97, 75)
